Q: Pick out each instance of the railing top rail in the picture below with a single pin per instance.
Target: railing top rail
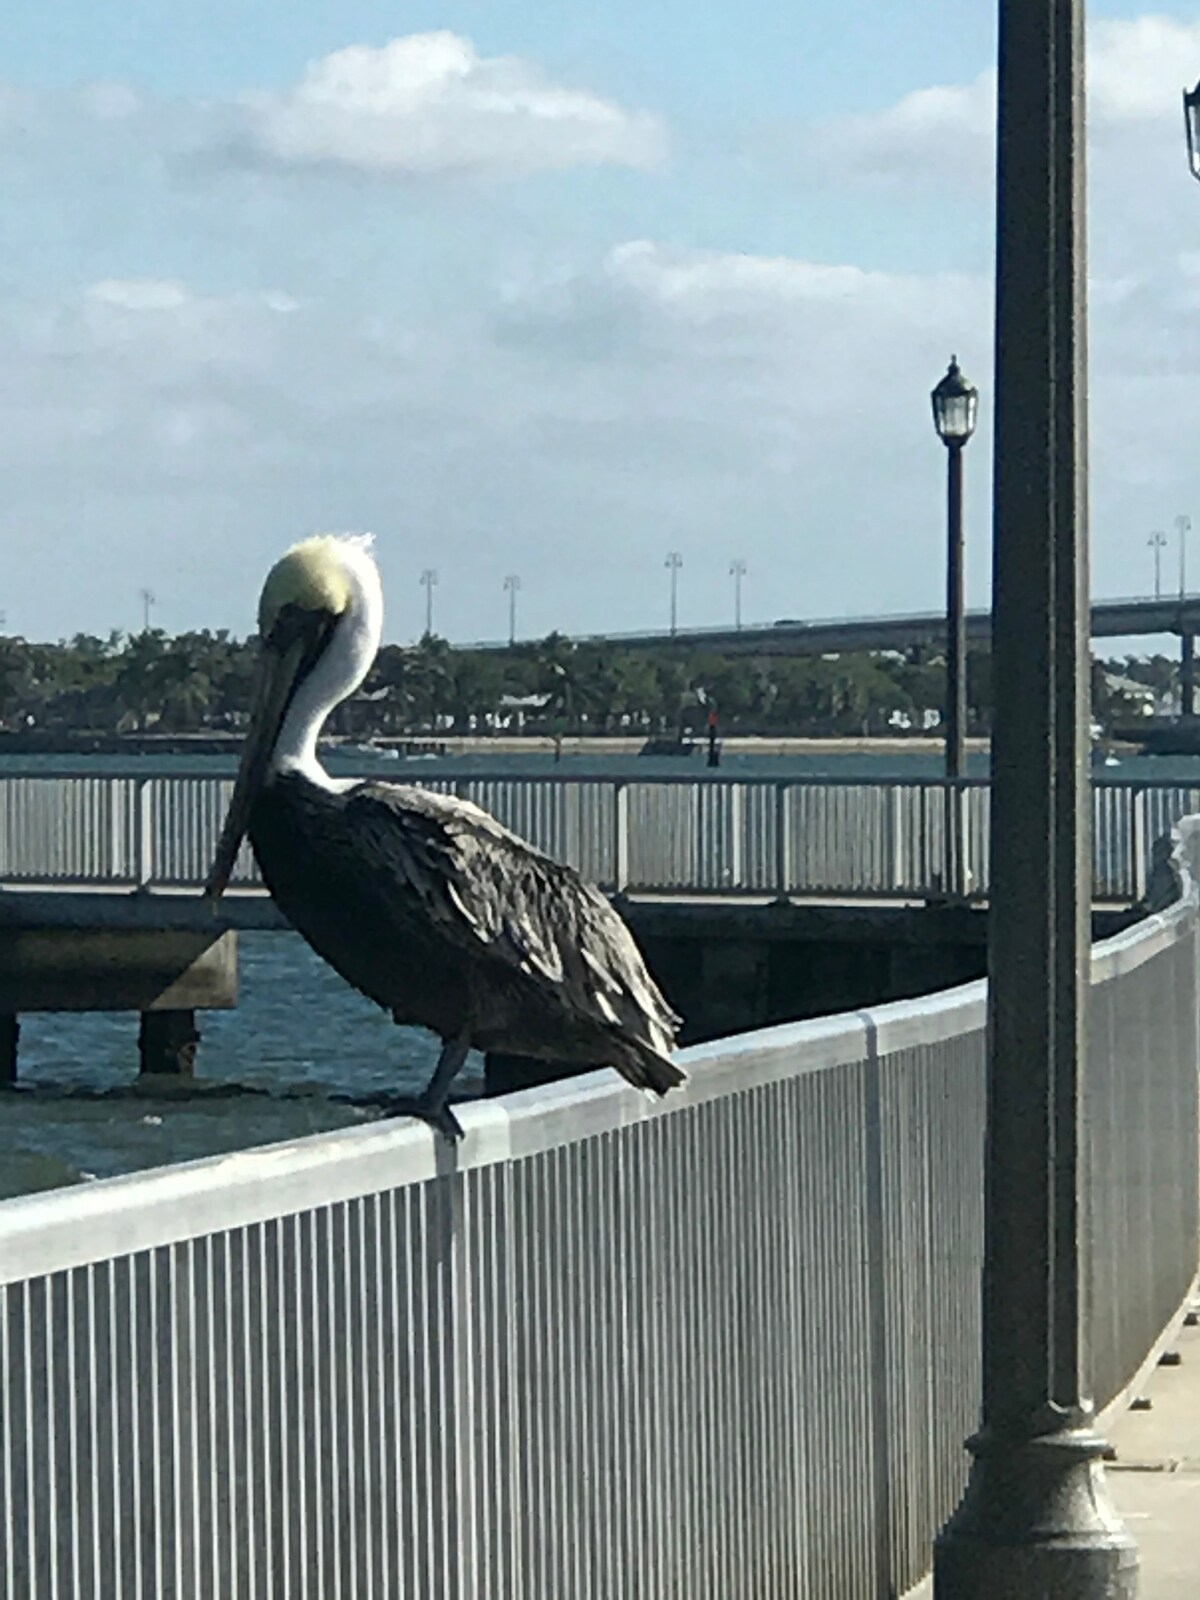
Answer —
(57, 1229)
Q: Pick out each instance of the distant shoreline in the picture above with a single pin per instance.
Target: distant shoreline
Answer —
(36, 742)
(736, 744)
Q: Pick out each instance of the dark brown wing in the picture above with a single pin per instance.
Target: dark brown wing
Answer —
(488, 891)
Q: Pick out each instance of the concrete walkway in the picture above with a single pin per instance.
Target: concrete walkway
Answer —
(1155, 1478)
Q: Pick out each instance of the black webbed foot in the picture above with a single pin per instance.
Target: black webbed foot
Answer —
(440, 1118)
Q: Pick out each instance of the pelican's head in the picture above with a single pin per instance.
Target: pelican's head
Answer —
(319, 618)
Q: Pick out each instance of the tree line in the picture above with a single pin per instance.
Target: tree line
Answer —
(201, 681)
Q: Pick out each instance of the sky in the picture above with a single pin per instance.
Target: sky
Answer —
(551, 290)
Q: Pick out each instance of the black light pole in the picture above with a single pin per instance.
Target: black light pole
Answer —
(1036, 1519)
(955, 407)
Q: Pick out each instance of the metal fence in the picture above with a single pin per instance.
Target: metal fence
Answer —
(726, 1347)
(883, 839)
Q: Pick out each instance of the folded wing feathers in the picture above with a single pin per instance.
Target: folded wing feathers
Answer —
(487, 888)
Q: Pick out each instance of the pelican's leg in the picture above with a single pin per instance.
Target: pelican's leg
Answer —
(433, 1105)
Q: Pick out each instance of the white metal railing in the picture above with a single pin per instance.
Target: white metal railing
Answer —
(722, 1347)
(902, 838)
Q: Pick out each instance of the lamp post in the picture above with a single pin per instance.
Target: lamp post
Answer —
(955, 407)
(1157, 543)
(1183, 526)
(1037, 1518)
(1187, 652)
(1191, 122)
(737, 571)
(673, 563)
(512, 587)
(429, 580)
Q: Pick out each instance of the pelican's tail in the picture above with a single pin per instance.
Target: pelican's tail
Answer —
(649, 1070)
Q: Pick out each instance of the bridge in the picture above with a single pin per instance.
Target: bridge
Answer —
(1111, 619)
(724, 1347)
(790, 636)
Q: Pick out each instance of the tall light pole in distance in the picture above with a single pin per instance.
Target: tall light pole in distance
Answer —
(737, 571)
(429, 580)
(1157, 543)
(673, 563)
(149, 599)
(955, 407)
(1183, 526)
(512, 588)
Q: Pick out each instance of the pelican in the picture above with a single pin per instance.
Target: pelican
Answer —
(422, 901)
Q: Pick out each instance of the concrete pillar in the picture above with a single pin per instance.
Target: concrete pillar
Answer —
(1187, 675)
(167, 1043)
(10, 1031)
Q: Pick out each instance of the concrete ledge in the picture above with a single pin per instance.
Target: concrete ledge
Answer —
(116, 969)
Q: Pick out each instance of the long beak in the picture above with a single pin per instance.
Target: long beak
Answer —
(275, 679)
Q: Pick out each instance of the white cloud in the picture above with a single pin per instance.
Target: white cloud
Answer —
(704, 283)
(139, 294)
(661, 396)
(732, 393)
(429, 103)
(616, 399)
(110, 102)
(168, 294)
(1135, 67)
(932, 134)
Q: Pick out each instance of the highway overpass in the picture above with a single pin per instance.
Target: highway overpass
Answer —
(792, 636)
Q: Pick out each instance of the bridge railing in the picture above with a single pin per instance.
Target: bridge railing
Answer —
(723, 1347)
(907, 838)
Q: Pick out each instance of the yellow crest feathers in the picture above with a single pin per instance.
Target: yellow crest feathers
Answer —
(312, 575)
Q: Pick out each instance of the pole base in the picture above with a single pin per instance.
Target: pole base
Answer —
(1036, 1523)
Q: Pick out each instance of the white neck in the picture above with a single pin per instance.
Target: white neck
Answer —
(337, 674)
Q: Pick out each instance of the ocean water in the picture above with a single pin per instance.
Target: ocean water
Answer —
(277, 1067)
(301, 1045)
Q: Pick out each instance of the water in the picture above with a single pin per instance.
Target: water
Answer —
(267, 1071)
(271, 1069)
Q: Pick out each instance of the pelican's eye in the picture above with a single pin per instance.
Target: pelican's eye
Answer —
(304, 625)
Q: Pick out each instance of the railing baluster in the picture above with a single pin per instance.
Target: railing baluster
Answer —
(620, 837)
(1138, 844)
(783, 843)
(146, 852)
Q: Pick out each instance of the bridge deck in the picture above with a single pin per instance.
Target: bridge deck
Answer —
(1155, 1478)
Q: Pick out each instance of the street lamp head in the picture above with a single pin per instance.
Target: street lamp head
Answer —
(1191, 122)
(955, 405)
